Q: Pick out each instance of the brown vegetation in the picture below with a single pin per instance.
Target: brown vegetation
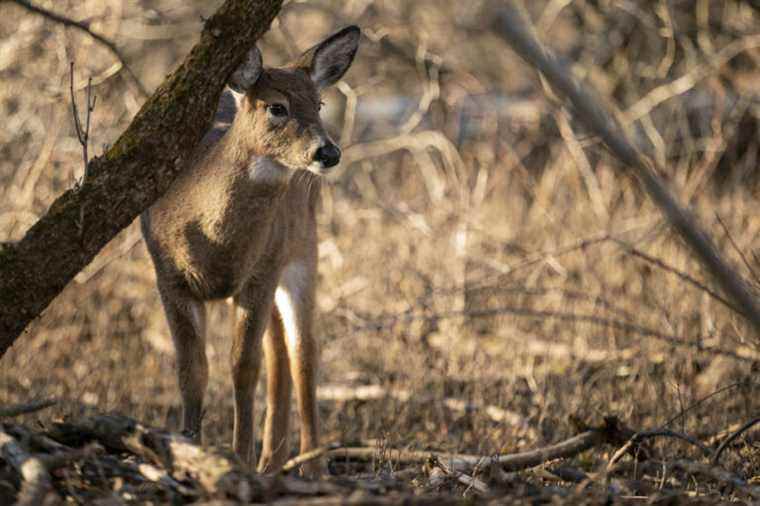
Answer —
(489, 283)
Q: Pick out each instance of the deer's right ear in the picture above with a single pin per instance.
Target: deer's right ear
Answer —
(329, 60)
(248, 72)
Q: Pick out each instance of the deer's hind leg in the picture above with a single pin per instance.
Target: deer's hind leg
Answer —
(295, 302)
(187, 321)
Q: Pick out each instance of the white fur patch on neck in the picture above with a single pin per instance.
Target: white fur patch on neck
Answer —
(264, 170)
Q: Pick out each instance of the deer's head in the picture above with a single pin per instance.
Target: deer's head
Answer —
(278, 108)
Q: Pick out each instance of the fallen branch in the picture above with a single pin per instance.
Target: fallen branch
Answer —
(718, 474)
(25, 409)
(609, 433)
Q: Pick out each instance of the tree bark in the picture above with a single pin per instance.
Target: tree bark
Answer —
(132, 174)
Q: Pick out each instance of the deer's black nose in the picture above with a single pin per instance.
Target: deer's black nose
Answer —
(328, 155)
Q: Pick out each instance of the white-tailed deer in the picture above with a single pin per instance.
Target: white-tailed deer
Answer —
(240, 222)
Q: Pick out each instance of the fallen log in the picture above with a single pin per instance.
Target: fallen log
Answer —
(36, 480)
(220, 473)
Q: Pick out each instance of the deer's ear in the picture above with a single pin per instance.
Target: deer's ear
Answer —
(329, 60)
(248, 72)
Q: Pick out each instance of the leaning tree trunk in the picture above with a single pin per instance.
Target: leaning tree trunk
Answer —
(132, 174)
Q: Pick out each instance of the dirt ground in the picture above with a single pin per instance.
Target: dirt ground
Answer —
(490, 280)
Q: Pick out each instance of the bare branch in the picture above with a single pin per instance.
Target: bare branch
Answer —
(86, 29)
(684, 276)
(746, 354)
(699, 402)
(723, 225)
(730, 439)
(511, 25)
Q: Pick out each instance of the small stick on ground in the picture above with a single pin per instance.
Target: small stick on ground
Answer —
(470, 481)
(25, 409)
(730, 439)
(308, 457)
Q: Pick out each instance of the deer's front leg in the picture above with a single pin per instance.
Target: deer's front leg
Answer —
(254, 308)
(295, 302)
(187, 321)
(275, 447)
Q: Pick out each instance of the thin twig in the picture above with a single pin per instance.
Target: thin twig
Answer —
(25, 409)
(730, 439)
(707, 397)
(730, 236)
(685, 277)
(86, 29)
(561, 316)
(83, 134)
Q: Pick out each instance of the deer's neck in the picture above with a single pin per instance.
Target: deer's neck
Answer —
(263, 171)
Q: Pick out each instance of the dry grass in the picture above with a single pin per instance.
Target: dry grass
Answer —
(502, 261)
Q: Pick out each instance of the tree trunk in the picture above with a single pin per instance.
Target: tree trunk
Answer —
(132, 174)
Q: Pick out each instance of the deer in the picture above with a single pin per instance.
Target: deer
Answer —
(239, 222)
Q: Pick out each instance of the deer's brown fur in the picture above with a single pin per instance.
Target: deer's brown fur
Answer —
(240, 222)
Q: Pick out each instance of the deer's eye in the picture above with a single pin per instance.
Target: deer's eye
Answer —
(277, 110)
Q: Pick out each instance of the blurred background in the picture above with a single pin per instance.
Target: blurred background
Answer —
(487, 271)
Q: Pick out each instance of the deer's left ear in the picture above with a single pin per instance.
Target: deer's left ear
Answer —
(247, 73)
(329, 60)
